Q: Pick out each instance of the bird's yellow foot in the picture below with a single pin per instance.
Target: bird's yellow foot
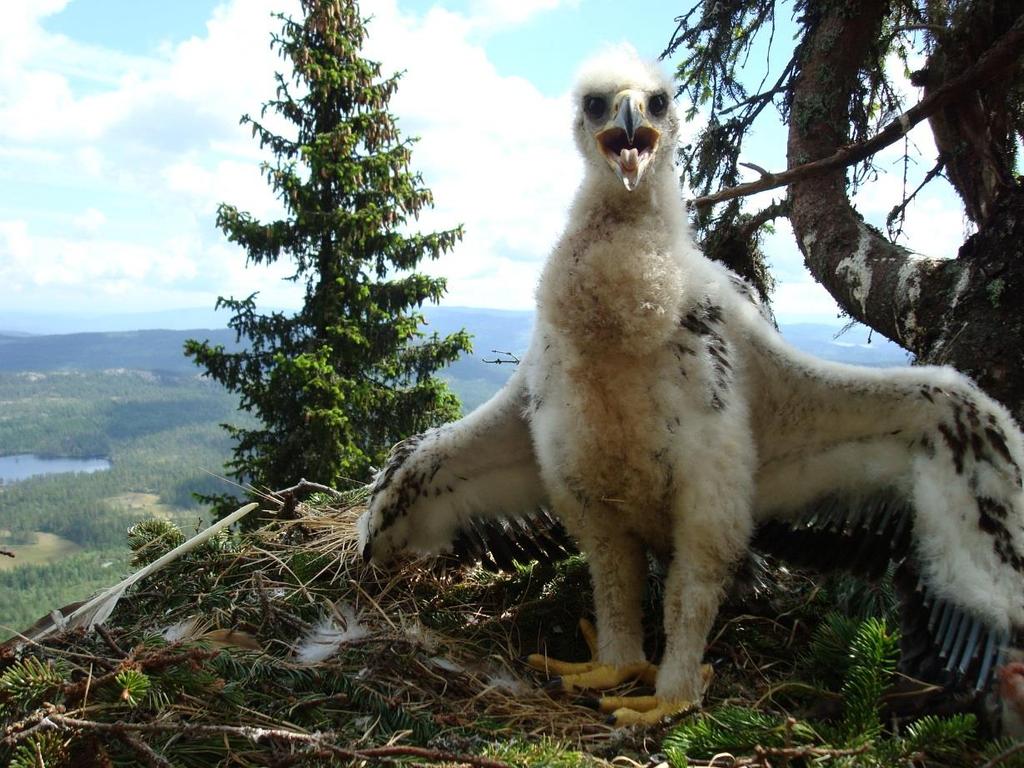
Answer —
(575, 676)
(642, 710)
(569, 676)
(649, 710)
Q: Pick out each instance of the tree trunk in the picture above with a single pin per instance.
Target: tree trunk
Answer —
(982, 330)
(963, 312)
(972, 133)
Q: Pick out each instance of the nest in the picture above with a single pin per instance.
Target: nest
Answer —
(289, 620)
(447, 643)
(281, 647)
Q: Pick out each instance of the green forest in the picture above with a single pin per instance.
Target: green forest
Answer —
(159, 428)
(161, 433)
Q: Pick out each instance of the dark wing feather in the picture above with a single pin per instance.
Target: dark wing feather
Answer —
(498, 544)
(940, 642)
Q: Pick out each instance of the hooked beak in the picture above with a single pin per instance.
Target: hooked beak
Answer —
(628, 142)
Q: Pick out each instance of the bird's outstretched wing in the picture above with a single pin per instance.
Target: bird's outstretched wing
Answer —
(863, 467)
(858, 468)
(470, 490)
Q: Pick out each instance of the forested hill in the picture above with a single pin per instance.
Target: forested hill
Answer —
(505, 330)
(138, 350)
(161, 350)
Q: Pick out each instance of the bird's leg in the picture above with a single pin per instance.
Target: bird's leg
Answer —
(705, 550)
(618, 573)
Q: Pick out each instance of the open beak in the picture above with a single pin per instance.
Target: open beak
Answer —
(628, 141)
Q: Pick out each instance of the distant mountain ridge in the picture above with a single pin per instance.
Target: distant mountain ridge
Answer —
(46, 324)
(503, 330)
(151, 350)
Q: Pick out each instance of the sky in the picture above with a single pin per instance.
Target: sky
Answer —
(120, 135)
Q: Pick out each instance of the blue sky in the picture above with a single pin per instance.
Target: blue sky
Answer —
(119, 136)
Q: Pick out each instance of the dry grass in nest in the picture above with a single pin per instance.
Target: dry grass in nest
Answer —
(461, 676)
(293, 601)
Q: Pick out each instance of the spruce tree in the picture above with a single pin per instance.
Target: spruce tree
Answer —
(337, 383)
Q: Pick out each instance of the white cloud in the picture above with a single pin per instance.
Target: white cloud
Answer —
(797, 297)
(90, 221)
(934, 222)
(936, 227)
(496, 152)
(15, 254)
(89, 274)
(89, 160)
(202, 82)
(20, 33)
(90, 263)
(239, 183)
(804, 301)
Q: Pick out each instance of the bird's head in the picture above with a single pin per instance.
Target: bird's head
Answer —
(626, 122)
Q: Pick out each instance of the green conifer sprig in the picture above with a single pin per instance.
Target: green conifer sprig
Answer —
(734, 729)
(40, 750)
(874, 651)
(857, 739)
(151, 539)
(946, 738)
(1000, 749)
(134, 686)
(28, 682)
(827, 656)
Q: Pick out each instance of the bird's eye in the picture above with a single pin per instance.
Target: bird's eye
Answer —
(594, 106)
(658, 104)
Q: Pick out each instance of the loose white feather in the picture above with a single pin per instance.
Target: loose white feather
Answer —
(327, 637)
(98, 609)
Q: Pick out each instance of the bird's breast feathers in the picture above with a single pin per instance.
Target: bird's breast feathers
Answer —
(613, 290)
(631, 428)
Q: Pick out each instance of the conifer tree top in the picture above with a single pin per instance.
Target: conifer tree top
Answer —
(349, 374)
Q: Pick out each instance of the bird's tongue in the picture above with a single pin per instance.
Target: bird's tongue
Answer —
(629, 162)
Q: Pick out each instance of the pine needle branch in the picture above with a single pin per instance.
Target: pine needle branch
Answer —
(53, 717)
(1005, 755)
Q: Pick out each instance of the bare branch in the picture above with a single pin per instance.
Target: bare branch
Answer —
(321, 740)
(754, 167)
(936, 29)
(109, 640)
(1002, 55)
(1005, 755)
(787, 753)
(145, 753)
(757, 98)
(778, 208)
(308, 485)
(900, 209)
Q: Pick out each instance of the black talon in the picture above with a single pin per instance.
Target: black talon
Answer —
(554, 685)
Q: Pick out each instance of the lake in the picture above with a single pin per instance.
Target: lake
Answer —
(25, 465)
